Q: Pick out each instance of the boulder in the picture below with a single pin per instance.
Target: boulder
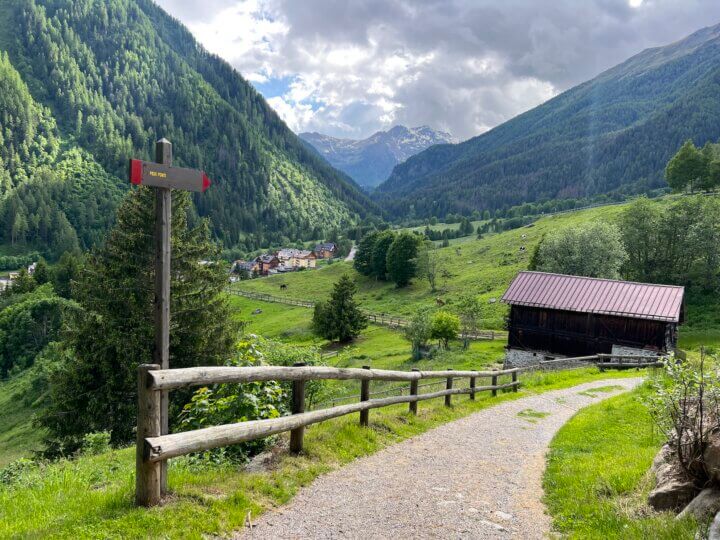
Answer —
(674, 489)
(704, 506)
(711, 457)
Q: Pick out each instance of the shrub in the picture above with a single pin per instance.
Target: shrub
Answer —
(445, 326)
(231, 403)
(419, 332)
(95, 443)
(686, 406)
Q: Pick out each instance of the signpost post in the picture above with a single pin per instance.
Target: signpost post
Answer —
(163, 177)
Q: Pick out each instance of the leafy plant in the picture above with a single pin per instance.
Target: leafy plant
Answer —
(445, 327)
(232, 403)
(686, 406)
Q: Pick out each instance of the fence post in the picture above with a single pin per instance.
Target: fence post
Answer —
(448, 386)
(298, 406)
(514, 380)
(147, 474)
(414, 392)
(472, 388)
(494, 383)
(364, 396)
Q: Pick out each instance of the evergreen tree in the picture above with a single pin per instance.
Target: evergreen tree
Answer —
(65, 272)
(402, 259)
(340, 318)
(686, 169)
(42, 273)
(114, 332)
(379, 257)
(364, 255)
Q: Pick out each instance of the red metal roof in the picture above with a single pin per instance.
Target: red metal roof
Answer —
(593, 295)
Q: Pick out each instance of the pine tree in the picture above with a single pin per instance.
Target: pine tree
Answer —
(402, 259)
(340, 318)
(114, 333)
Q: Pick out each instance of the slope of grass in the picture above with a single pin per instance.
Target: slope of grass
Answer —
(18, 437)
(483, 267)
(597, 479)
(91, 497)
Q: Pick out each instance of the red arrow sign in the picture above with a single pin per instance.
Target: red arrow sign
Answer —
(147, 173)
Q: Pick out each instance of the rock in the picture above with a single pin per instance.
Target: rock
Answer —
(674, 490)
(712, 457)
(714, 531)
(704, 506)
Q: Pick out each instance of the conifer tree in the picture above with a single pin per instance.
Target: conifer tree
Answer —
(402, 259)
(340, 318)
(114, 333)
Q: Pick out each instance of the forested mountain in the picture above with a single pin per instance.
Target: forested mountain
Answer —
(52, 197)
(370, 161)
(99, 82)
(614, 133)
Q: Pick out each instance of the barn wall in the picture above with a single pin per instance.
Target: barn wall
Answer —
(578, 334)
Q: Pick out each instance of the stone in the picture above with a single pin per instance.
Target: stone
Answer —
(704, 506)
(711, 456)
(674, 489)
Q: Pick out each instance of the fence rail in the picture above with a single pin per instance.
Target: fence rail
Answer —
(380, 319)
(154, 448)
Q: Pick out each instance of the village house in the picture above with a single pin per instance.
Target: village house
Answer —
(267, 264)
(251, 267)
(554, 315)
(325, 250)
(297, 258)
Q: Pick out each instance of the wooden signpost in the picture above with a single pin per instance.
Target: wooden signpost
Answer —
(162, 176)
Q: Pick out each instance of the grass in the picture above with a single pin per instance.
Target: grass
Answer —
(92, 496)
(597, 479)
(593, 392)
(532, 416)
(18, 437)
(483, 267)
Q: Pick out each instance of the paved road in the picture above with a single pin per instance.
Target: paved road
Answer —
(478, 477)
(351, 255)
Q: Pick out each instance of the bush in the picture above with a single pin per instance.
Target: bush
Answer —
(231, 403)
(419, 332)
(445, 326)
(15, 470)
(686, 406)
(95, 443)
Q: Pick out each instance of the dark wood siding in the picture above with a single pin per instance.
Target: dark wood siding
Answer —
(578, 334)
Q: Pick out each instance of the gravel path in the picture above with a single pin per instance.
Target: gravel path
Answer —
(477, 477)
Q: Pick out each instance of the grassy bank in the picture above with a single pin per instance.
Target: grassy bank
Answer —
(18, 436)
(92, 496)
(597, 479)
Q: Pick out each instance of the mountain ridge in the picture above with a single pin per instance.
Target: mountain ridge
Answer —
(117, 76)
(369, 161)
(612, 134)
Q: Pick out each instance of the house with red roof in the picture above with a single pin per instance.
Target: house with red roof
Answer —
(560, 315)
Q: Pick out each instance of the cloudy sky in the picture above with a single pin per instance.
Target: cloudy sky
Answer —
(349, 68)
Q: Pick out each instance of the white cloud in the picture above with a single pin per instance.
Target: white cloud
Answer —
(460, 65)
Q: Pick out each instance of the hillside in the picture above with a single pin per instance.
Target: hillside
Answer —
(370, 161)
(108, 79)
(483, 267)
(613, 134)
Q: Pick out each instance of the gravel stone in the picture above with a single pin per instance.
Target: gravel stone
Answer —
(477, 477)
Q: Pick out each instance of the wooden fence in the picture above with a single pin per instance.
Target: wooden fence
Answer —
(381, 319)
(154, 448)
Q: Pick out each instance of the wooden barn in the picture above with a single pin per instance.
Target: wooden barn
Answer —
(578, 316)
